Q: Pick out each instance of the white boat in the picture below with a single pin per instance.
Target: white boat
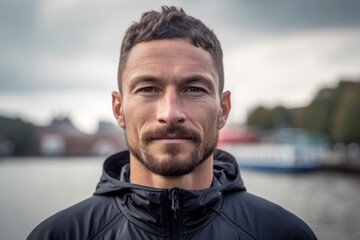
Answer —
(279, 150)
(276, 157)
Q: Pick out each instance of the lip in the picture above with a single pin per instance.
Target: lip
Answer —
(171, 140)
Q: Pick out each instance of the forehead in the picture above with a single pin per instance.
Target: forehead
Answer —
(176, 57)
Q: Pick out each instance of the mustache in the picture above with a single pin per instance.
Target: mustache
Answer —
(177, 131)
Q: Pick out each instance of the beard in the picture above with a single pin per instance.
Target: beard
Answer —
(173, 166)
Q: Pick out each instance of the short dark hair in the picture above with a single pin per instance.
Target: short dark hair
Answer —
(171, 23)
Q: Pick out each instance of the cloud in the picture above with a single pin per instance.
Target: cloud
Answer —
(289, 69)
(289, 15)
(274, 51)
(84, 107)
(60, 45)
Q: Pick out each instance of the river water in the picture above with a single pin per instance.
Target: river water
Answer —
(32, 189)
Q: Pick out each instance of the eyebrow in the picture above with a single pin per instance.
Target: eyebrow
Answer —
(144, 78)
(199, 78)
(193, 78)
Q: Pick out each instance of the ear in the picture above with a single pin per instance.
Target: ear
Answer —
(225, 106)
(118, 108)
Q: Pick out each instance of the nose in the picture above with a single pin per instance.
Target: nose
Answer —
(170, 109)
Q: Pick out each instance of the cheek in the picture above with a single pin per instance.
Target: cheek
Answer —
(136, 119)
(208, 118)
(129, 116)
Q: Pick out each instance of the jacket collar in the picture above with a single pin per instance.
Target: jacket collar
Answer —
(154, 208)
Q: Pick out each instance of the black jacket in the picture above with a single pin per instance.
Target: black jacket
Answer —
(121, 210)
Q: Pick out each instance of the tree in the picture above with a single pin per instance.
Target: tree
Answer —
(281, 117)
(318, 115)
(18, 132)
(334, 112)
(346, 120)
(260, 117)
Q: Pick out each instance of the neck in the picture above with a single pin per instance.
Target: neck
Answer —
(200, 178)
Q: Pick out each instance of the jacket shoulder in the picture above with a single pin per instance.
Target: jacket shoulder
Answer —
(80, 221)
(263, 219)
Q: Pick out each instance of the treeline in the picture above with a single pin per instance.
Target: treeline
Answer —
(16, 136)
(334, 112)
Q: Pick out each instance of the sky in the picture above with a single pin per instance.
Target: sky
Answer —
(61, 57)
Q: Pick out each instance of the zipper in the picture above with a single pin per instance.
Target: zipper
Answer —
(175, 214)
(175, 206)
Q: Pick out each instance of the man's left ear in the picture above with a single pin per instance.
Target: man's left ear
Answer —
(225, 106)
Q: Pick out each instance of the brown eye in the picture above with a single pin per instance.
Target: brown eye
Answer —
(194, 89)
(147, 90)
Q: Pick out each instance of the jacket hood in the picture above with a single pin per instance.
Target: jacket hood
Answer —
(116, 170)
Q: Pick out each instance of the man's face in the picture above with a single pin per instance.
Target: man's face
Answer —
(170, 106)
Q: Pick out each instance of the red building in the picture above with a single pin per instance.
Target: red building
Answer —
(61, 137)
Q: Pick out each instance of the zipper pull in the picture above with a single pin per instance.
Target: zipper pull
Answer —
(175, 206)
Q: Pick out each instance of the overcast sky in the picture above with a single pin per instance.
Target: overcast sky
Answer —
(60, 57)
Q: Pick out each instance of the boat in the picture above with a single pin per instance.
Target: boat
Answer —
(251, 152)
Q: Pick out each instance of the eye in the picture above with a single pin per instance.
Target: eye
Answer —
(147, 90)
(196, 91)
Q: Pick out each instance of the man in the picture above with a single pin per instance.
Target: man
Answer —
(172, 183)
